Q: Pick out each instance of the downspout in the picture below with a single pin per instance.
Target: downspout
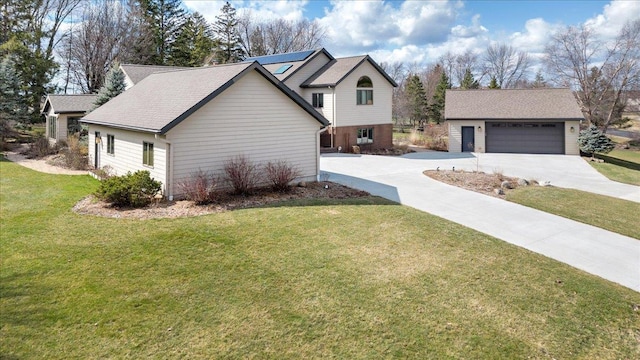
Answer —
(168, 167)
(333, 119)
(320, 131)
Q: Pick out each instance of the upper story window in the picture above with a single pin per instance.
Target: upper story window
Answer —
(318, 100)
(364, 96)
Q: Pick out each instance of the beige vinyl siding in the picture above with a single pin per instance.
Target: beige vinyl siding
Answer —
(455, 135)
(571, 138)
(128, 152)
(350, 114)
(305, 73)
(327, 110)
(251, 118)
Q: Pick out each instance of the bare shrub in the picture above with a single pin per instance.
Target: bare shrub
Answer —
(76, 153)
(435, 136)
(40, 148)
(200, 187)
(416, 138)
(280, 174)
(241, 174)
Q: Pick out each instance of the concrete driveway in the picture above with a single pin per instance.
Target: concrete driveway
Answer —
(594, 250)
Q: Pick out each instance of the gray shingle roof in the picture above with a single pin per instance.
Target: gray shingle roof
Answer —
(162, 100)
(138, 72)
(511, 104)
(65, 104)
(336, 70)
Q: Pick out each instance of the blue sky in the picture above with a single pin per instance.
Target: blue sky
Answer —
(422, 31)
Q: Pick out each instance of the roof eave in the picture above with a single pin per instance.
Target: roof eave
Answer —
(512, 119)
(120, 126)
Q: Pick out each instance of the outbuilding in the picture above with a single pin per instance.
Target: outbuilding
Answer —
(530, 121)
(176, 123)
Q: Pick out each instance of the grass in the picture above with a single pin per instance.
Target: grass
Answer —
(359, 280)
(617, 215)
(618, 173)
(627, 155)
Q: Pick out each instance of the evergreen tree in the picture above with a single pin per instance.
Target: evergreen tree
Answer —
(194, 43)
(593, 140)
(436, 108)
(163, 19)
(494, 83)
(227, 36)
(12, 107)
(539, 82)
(468, 82)
(113, 86)
(417, 99)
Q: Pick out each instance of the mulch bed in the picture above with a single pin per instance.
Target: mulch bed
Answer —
(475, 181)
(226, 202)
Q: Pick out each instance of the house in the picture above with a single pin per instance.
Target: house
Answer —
(353, 93)
(176, 123)
(133, 73)
(535, 121)
(62, 114)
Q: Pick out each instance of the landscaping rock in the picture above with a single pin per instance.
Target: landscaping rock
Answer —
(523, 182)
(302, 184)
(498, 191)
(356, 149)
(506, 185)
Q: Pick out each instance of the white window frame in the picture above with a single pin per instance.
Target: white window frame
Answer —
(364, 136)
(147, 153)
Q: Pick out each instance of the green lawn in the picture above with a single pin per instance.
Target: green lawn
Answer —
(628, 155)
(617, 215)
(365, 280)
(626, 171)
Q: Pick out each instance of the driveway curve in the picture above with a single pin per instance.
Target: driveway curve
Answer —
(603, 253)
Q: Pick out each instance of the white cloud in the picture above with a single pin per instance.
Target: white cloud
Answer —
(283, 9)
(364, 26)
(613, 17)
(535, 36)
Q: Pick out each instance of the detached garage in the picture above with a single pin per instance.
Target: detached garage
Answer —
(529, 121)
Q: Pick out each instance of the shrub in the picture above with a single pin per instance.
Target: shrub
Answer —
(241, 174)
(76, 153)
(199, 187)
(592, 141)
(136, 190)
(40, 147)
(280, 174)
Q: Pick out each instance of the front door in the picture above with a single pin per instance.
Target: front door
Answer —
(468, 139)
(96, 153)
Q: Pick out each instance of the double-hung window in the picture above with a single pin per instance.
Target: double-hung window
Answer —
(147, 153)
(110, 144)
(318, 100)
(365, 136)
(52, 127)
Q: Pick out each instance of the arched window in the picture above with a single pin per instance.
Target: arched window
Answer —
(364, 96)
(364, 81)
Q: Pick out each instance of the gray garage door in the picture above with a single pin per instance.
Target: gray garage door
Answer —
(525, 137)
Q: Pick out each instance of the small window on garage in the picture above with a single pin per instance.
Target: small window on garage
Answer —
(147, 153)
(110, 144)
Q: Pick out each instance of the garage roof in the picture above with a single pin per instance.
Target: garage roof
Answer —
(512, 104)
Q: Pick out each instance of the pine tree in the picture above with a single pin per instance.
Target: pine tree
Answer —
(194, 42)
(226, 30)
(593, 140)
(539, 82)
(494, 83)
(113, 86)
(417, 99)
(12, 106)
(436, 108)
(468, 82)
(163, 20)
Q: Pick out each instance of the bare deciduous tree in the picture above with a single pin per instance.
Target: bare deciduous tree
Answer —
(277, 36)
(103, 36)
(506, 65)
(599, 72)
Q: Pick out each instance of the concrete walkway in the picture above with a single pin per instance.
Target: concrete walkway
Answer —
(609, 255)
